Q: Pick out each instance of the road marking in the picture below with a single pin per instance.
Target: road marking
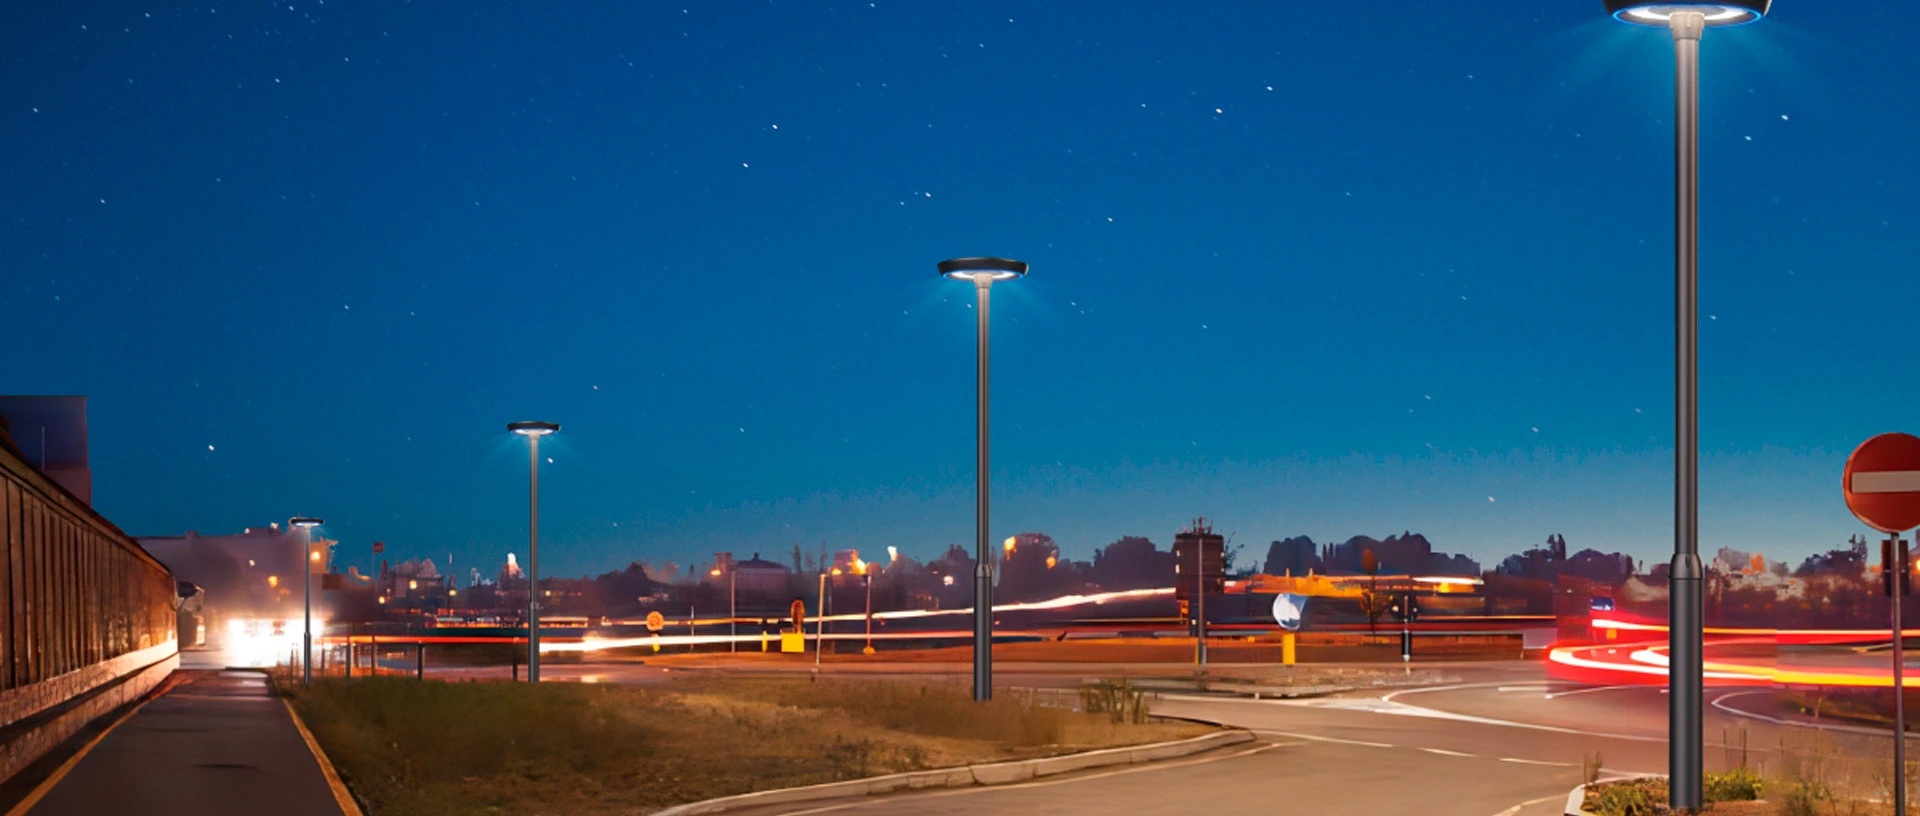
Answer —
(1445, 752)
(1553, 695)
(341, 797)
(888, 800)
(1511, 689)
(1317, 738)
(1516, 808)
(1536, 762)
(46, 785)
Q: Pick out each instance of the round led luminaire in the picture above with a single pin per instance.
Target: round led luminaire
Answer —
(1730, 13)
(303, 521)
(967, 269)
(533, 428)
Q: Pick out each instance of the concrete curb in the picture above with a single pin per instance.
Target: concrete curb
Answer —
(996, 773)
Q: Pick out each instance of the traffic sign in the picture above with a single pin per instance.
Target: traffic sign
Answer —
(1289, 610)
(656, 621)
(1882, 482)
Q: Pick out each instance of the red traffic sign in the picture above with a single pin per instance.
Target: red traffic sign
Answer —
(1882, 482)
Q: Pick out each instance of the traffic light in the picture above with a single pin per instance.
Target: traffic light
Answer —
(1895, 567)
(1398, 609)
(1413, 608)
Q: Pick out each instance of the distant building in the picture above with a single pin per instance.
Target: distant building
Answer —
(755, 578)
(51, 433)
(252, 574)
(1293, 556)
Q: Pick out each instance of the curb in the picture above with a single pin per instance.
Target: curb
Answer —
(996, 773)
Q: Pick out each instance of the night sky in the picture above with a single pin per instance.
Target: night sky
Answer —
(1330, 269)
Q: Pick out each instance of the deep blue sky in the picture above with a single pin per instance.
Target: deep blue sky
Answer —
(1306, 268)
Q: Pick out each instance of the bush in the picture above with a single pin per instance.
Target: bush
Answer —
(1737, 785)
(1632, 797)
(1802, 799)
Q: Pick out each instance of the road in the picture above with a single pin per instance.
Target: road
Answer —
(1505, 742)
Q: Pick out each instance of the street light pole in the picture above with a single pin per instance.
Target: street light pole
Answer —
(533, 431)
(733, 607)
(1687, 22)
(305, 526)
(869, 576)
(982, 272)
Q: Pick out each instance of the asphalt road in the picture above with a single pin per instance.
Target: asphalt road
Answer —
(1506, 742)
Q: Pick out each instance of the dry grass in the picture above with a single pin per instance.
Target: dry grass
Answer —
(409, 748)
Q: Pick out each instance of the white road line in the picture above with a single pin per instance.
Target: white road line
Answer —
(1536, 762)
(1505, 689)
(1445, 752)
(1317, 738)
(1554, 695)
(887, 800)
(1516, 808)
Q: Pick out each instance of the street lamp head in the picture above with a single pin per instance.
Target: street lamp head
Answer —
(533, 428)
(970, 269)
(1657, 14)
(303, 521)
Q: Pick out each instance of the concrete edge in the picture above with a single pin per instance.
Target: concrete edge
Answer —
(1576, 802)
(27, 747)
(341, 796)
(995, 773)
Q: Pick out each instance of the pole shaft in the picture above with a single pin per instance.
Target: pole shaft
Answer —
(733, 609)
(1200, 599)
(1899, 682)
(533, 560)
(1686, 644)
(983, 568)
(306, 628)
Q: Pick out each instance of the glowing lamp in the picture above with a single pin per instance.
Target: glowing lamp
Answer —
(972, 269)
(1659, 15)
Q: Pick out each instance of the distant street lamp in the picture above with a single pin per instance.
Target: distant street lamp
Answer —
(307, 557)
(982, 272)
(733, 626)
(1685, 642)
(533, 431)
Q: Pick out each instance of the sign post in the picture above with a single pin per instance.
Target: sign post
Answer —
(1881, 484)
(1290, 611)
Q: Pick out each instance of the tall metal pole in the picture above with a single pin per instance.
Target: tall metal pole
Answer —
(1200, 606)
(1686, 646)
(306, 629)
(983, 567)
(820, 624)
(733, 609)
(869, 577)
(1899, 584)
(533, 562)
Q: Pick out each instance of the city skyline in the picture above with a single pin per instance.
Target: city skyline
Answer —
(1293, 278)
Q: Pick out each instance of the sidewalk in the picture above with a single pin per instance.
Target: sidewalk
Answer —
(218, 743)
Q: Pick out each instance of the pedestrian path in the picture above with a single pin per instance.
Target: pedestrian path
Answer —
(218, 743)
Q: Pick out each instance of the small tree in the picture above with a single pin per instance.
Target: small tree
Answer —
(1373, 602)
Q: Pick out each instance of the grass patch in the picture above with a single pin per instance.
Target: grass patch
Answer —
(409, 748)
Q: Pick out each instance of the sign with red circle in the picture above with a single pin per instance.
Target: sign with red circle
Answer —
(1882, 482)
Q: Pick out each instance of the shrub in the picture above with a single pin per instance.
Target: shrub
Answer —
(1633, 797)
(1737, 785)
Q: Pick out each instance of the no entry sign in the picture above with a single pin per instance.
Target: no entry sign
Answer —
(1882, 482)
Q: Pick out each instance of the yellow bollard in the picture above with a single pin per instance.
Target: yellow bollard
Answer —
(763, 641)
(1286, 648)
